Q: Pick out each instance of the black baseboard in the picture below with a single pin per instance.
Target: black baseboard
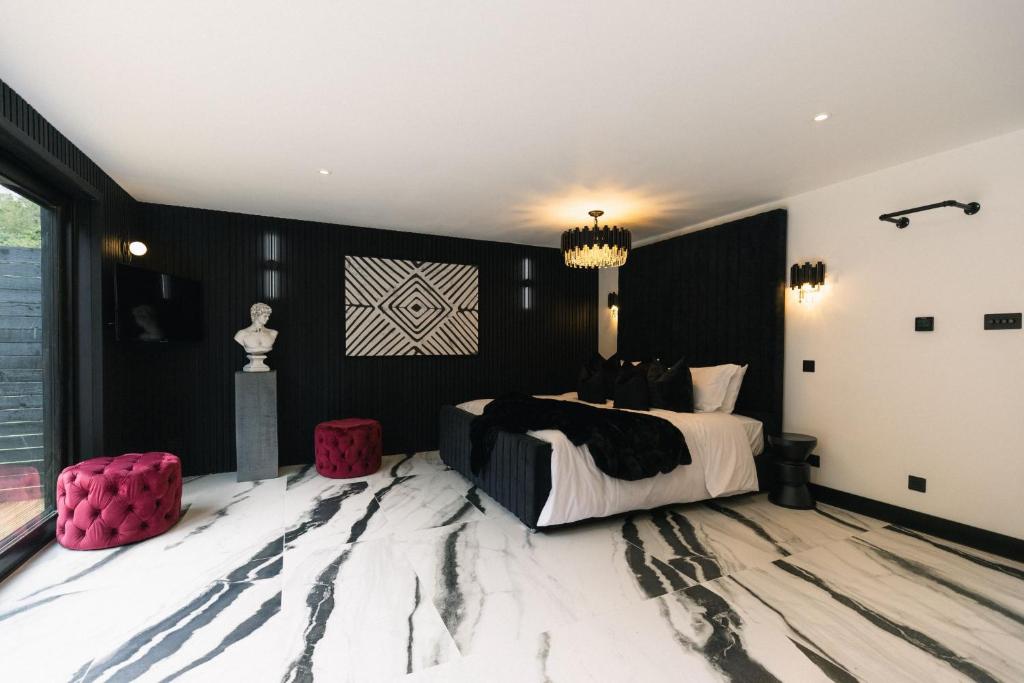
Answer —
(989, 541)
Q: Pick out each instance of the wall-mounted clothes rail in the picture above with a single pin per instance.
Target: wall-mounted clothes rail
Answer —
(899, 217)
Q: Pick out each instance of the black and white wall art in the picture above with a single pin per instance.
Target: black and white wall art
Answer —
(410, 308)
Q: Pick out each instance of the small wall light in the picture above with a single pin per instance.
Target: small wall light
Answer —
(613, 302)
(133, 248)
(807, 279)
(527, 284)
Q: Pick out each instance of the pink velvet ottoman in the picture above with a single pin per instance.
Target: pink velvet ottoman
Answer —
(106, 502)
(347, 448)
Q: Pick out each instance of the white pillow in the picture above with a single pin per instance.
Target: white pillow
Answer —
(710, 385)
(733, 392)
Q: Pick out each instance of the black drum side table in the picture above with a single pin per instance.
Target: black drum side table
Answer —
(790, 453)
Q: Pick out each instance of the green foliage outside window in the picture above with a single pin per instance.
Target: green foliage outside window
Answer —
(19, 222)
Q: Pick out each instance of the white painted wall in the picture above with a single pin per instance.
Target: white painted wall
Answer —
(885, 401)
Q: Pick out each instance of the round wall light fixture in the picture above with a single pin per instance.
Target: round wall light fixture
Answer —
(133, 248)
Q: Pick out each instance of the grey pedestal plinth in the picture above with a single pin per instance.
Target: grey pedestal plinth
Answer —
(256, 425)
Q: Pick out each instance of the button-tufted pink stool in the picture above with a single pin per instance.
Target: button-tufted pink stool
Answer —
(106, 502)
(347, 448)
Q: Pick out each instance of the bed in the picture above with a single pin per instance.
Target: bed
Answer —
(714, 296)
(546, 481)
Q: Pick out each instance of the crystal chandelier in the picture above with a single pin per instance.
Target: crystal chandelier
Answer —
(595, 247)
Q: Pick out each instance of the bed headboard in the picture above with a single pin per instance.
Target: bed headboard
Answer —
(714, 296)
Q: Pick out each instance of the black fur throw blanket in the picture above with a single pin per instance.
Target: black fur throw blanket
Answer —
(624, 445)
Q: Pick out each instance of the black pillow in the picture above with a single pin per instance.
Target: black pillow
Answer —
(591, 384)
(631, 387)
(670, 388)
(610, 370)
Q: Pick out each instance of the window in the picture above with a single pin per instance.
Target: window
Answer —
(32, 386)
(22, 469)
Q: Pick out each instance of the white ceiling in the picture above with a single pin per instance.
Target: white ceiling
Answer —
(510, 120)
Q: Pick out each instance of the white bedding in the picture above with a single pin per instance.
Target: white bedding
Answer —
(721, 446)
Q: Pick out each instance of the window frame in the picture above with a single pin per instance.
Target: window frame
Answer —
(60, 406)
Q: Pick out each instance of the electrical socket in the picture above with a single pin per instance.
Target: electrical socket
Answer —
(814, 460)
(917, 483)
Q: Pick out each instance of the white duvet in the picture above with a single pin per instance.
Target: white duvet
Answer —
(722, 448)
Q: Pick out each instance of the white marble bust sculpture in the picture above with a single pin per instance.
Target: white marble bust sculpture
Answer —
(257, 340)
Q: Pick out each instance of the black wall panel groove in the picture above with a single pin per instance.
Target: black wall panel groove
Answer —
(180, 397)
(714, 296)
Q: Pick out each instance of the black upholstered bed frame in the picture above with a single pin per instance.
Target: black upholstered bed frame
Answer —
(715, 295)
(518, 473)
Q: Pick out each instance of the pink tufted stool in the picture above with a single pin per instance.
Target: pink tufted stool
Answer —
(347, 448)
(106, 502)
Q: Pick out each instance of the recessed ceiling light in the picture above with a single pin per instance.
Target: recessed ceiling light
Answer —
(823, 116)
(324, 171)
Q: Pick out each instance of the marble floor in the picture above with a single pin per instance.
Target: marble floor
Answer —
(414, 575)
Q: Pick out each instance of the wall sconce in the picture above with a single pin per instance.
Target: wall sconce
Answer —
(133, 248)
(807, 279)
(613, 303)
(271, 266)
(527, 284)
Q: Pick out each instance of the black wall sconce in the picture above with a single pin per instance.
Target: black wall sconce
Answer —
(807, 279)
(270, 266)
(526, 285)
(130, 248)
(613, 302)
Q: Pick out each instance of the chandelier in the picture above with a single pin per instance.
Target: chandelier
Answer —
(594, 246)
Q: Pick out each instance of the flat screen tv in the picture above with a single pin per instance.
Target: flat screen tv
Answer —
(156, 307)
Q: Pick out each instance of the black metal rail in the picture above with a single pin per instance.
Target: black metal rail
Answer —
(899, 217)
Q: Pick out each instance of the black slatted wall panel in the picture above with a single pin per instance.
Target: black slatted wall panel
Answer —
(103, 215)
(181, 397)
(24, 118)
(714, 296)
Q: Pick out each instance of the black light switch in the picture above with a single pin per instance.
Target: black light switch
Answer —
(916, 483)
(924, 324)
(808, 366)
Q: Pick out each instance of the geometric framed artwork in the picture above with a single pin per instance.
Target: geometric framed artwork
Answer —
(410, 308)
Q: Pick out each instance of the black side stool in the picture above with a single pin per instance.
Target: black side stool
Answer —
(791, 451)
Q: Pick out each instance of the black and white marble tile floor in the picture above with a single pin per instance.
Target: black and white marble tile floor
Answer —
(414, 575)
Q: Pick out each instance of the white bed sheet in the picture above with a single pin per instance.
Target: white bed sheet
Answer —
(721, 446)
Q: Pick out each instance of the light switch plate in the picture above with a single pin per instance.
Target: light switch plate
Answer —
(1002, 321)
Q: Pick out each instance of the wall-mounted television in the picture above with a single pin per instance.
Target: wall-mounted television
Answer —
(157, 307)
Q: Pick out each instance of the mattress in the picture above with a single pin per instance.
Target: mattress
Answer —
(755, 433)
(722, 448)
